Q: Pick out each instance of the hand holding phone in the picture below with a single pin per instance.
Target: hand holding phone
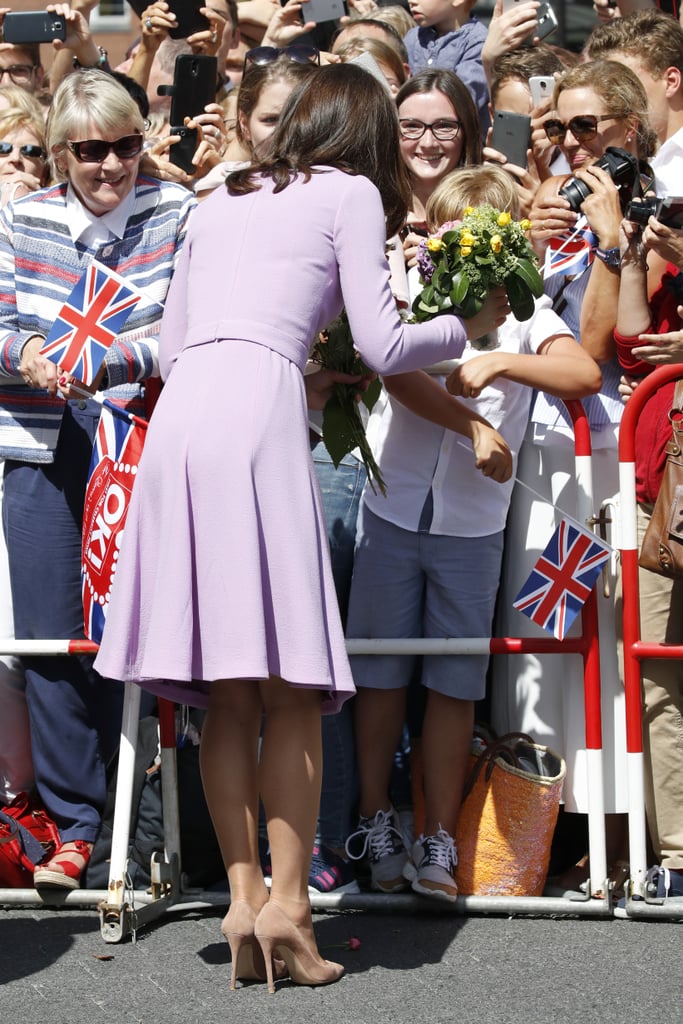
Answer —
(511, 136)
(542, 88)
(32, 27)
(324, 10)
(194, 86)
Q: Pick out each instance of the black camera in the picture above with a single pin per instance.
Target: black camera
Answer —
(668, 210)
(624, 170)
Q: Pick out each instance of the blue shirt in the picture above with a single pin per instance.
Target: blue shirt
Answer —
(459, 51)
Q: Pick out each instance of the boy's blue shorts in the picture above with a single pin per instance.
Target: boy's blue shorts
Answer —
(408, 584)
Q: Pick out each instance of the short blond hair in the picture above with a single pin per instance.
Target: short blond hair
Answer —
(471, 186)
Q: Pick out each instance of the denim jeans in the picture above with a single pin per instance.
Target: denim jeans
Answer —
(341, 490)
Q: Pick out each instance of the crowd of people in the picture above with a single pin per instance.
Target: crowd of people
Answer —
(326, 158)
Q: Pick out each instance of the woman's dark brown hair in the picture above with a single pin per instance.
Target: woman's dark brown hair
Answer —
(456, 92)
(341, 117)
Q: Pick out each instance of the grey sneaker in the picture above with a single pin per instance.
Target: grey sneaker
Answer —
(431, 870)
(381, 841)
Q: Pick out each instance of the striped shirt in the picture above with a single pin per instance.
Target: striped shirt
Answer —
(39, 265)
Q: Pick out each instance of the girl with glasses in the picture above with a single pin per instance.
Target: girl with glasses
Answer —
(439, 129)
(101, 208)
(595, 106)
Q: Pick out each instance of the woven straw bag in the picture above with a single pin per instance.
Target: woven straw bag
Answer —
(508, 817)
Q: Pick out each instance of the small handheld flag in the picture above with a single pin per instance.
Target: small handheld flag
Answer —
(562, 578)
(89, 321)
(570, 253)
(118, 446)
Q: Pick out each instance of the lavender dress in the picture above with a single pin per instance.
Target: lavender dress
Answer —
(224, 570)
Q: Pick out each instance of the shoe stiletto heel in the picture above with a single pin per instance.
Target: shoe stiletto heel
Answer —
(238, 929)
(276, 934)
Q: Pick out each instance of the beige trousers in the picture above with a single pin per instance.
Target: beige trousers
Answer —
(661, 620)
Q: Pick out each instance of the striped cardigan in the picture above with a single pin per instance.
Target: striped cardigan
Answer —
(39, 266)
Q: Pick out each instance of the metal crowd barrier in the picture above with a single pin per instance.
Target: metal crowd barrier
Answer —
(638, 903)
(123, 910)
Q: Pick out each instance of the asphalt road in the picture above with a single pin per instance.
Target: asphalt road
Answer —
(432, 968)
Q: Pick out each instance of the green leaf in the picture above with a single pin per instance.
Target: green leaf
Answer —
(338, 434)
(520, 297)
(459, 288)
(530, 275)
(372, 393)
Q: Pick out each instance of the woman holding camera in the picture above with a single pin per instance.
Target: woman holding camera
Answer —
(101, 209)
(596, 106)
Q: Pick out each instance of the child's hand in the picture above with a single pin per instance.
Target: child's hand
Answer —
(469, 379)
(491, 453)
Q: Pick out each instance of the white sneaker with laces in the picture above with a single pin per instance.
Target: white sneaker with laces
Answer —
(382, 842)
(431, 869)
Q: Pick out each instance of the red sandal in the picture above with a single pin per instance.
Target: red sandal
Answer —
(65, 867)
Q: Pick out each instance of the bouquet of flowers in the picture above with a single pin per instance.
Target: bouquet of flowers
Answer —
(343, 428)
(465, 259)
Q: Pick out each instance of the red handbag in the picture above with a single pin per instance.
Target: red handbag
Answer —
(27, 838)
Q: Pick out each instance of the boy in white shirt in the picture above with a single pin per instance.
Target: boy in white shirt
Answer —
(428, 556)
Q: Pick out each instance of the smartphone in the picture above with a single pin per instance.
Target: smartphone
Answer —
(188, 17)
(324, 10)
(32, 27)
(546, 21)
(542, 87)
(511, 136)
(194, 85)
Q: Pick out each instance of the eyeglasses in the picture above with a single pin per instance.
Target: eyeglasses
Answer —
(20, 74)
(583, 128)
(268, 54)
(443, 130)
(95, 151)
(29, 151)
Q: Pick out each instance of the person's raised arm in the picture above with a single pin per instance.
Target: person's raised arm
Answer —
(426, 397)
(561, 367)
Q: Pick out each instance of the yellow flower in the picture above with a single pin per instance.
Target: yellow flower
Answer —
(503, 220)
(468, 210)
(434, 244)
(496, 243)
(525, 224)
(467, 238)
(465, 250)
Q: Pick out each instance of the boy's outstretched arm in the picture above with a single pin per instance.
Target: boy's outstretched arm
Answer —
(425, 397)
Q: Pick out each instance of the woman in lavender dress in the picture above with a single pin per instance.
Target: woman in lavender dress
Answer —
(224, 594)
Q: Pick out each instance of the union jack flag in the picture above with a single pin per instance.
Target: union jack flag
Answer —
(572, 252)
(562, 578)
(118, 446)
(89, 321)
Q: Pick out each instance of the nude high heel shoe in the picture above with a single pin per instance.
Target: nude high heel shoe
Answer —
(247, 958)
(277, 935)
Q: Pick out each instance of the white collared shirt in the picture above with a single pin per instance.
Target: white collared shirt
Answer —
(94, 231)
(668, 166)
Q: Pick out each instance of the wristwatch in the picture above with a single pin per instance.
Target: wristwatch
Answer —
(610, 257)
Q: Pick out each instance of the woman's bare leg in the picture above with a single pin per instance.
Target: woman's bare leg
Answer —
(290, 779)
(230, 774)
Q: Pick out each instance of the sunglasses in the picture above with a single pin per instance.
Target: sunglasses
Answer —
(413, 129)
(583, 128)
(95, 151)
(268, 54)
(31, 152)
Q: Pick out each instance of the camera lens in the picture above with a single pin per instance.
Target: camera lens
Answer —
(575, 192)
